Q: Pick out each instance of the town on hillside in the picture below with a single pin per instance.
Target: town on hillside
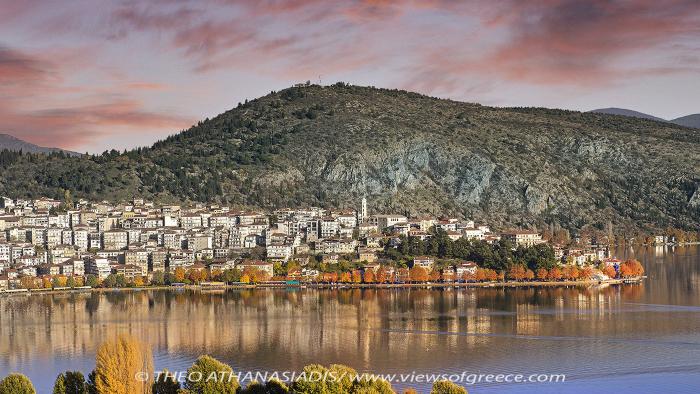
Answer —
(48, 244)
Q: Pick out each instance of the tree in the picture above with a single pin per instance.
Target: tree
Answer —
(418, 274)
(67, 200)
(631, 268)
(542, 274)
(165, 383)
(158, 278)
(245, 278)
(310, 382)
(345, 277)
(344, 383)
(447, 387)
(253, 387)
(16, 383)
(569, 272)
(369, 276)
(59, 385)
(274, 386)
(491, 275)
(517, 272)
(216, 274)
(529, 275)
(435, 276)
(118, 362)
(468, 276)
(381, 275)
(356, 276)
(71, 382)
(91, 280)
(586, 273)
(480, 275)
(372, 386)
(75, 383)
(27, 282)
(554, 274)
(610, 271)
(179, 274)
(195, 276)
(216, 377)
(70, 282)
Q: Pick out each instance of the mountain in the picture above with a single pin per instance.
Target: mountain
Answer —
(15, 144)
(627, 112)
(688, 121)
(407, 153)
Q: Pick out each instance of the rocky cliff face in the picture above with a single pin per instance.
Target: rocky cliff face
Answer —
(331, 146)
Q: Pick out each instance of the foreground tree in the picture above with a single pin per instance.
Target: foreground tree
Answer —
(118, 362)
(253, 387)
(274, 386)
(447, 387)
(16, 383)
(165, 383)
(59, 385)
(216, 377)
(71, 382)
(310, 382)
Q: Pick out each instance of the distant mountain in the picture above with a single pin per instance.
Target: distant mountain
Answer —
(688, 121)
(627, 112)
(15, 144)
(406, 153)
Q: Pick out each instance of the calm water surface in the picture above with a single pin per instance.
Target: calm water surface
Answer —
(617, 339)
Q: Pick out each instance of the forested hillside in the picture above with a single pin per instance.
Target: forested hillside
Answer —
(408, 153)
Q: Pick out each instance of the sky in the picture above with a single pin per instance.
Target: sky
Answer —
(92, 75)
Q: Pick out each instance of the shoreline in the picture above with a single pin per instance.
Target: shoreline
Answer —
(508, 284)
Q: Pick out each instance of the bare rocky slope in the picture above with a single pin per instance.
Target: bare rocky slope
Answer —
(407, 153)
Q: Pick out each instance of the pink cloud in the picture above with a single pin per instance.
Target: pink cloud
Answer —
(70, 127)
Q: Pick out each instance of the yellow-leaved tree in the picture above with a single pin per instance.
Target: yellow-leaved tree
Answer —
(124, 365)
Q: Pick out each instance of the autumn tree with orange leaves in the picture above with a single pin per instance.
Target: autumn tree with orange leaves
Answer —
(368, 276)
(435, 276)
(609, 270)
(381, 275)
(356, 276)
(491, 275)
(554, 274)
(418, 274)
(631, 269)
(586, 273)
(517, 272)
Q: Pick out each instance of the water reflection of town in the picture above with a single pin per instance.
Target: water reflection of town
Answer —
(350, 321)
(268, 328)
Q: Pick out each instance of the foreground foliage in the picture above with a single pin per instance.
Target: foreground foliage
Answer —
(121, 361)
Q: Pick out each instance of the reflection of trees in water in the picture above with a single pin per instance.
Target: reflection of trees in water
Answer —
(326, 323)
(92, 303)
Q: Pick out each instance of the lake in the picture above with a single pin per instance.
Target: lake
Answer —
(642, 338)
